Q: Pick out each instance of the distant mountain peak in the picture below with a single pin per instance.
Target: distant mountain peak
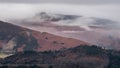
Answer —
(55, 17)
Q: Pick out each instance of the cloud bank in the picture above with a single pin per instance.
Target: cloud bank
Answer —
(21, 11)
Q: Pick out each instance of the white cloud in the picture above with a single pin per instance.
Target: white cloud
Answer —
(20, 11)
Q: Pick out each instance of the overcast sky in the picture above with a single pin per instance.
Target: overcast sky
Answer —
(10, 9)
(64, 1)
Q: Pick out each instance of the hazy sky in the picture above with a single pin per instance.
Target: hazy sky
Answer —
(64, 1)
(10, 9)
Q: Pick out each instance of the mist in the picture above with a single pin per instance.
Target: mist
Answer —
(11, 11)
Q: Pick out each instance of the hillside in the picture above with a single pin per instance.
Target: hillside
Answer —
(14, 38)
(77, 57)
(94, 30)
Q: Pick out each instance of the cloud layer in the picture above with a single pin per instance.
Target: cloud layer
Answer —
(21, 11)
(64, 1)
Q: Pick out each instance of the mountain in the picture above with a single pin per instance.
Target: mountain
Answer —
(76, 57)
(32, 48)
(96, 31)
(75, 20)
(44, 16)
(14, 38)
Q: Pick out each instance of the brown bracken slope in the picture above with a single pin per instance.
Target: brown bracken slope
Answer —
(16, 38)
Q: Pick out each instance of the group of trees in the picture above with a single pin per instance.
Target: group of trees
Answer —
(77, 57)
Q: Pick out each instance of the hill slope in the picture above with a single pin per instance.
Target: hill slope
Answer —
(15, 38)
(77, 57)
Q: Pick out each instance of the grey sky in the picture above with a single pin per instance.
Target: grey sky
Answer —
(11, 9)
(64, 1)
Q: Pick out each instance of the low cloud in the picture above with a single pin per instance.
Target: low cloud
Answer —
(21, 11)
